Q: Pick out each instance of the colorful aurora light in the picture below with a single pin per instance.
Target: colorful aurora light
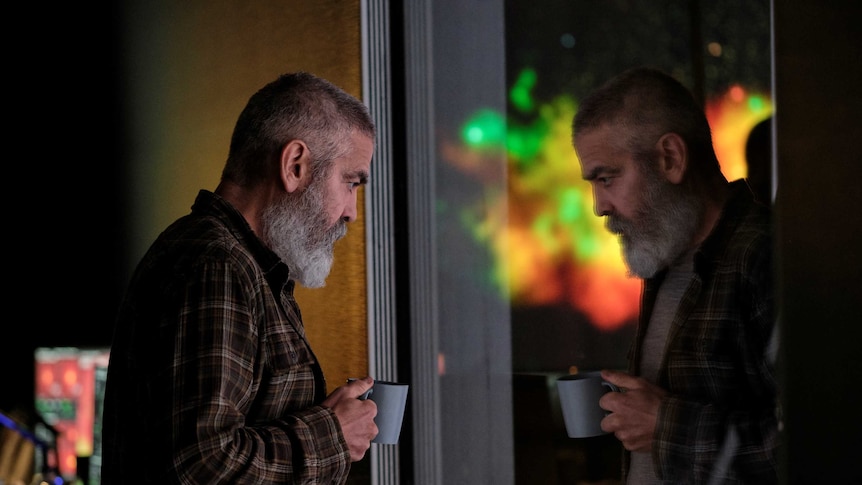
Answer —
(553, 250)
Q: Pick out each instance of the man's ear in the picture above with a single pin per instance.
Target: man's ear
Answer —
(673, 157)
(295, 165)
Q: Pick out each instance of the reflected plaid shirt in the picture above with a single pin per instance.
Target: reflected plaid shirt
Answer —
(716, 369)
(211, 379)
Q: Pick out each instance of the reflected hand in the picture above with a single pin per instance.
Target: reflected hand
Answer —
(633, 412)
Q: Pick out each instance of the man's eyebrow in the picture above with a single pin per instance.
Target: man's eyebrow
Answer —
(600, 170)
(362, 175)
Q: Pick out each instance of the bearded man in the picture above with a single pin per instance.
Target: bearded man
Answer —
(700, 398)
(211, 379)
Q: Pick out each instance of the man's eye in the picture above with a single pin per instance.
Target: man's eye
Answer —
(604, 181)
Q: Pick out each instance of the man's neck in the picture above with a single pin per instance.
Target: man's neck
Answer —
(714, 201)
(250, 202)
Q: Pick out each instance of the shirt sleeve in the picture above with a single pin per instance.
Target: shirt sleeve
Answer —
(225, 424)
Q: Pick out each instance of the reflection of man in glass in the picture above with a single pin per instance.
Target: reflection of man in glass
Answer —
(700, 398)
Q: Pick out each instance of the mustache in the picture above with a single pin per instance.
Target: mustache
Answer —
(338, 231)
(617, 225)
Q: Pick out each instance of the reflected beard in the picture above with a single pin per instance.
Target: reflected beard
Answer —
(295, 228)
(661, 231)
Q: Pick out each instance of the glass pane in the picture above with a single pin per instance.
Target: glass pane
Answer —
(514, 226)
(573, 306)
(470, 213)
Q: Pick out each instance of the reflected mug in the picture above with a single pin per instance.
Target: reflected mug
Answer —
(579, 401)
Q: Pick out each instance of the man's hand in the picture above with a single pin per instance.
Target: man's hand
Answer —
(633, 412)
(355, 416)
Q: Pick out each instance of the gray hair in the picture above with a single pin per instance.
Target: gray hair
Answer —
(295, 106)
(646, 103)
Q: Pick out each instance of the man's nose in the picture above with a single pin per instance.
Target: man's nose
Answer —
(349, 214)
(601, 205)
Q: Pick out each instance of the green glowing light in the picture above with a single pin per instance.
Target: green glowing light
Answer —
(756, 103)
(588, 247)
(543, 229)
(486, 128)
(523, 145)
(520, 93)
(570, 206)
(474, 135)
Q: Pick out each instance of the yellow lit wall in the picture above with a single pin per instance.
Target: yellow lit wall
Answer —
(190, 67)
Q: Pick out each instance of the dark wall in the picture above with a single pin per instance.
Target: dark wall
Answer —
(818, 126)
(65, 188)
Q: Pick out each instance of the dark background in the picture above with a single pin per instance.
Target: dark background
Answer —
(66, 192)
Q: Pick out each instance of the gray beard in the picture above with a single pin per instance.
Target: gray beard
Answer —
(662, 230)
(295, 229)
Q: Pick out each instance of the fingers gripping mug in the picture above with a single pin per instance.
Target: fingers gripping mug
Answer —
(391, 399)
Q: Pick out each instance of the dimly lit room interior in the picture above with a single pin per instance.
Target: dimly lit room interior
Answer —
(132, 105)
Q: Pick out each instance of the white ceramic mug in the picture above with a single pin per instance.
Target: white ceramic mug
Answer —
(391, 399)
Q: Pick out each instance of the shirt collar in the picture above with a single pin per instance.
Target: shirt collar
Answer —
(211, 204)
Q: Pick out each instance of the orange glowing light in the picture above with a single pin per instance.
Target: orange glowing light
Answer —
(737, 93)
(70, 460)
(731, 119)
(70, 377)
(549, 246)
(68, 404)
(46, 377)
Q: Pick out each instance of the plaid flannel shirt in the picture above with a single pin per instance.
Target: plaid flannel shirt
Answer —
(716, 368)
(211, 379)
